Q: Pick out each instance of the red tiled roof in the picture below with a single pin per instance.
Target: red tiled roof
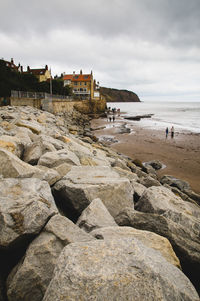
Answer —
(78, 77)
(68, 77)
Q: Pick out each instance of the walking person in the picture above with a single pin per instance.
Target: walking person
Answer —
(113, 117)
(167, 132)
(172, 132)
(109, 116)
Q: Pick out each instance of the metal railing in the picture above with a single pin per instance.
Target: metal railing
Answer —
(37, 95)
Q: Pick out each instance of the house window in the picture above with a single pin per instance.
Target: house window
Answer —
(76, 83)
(80, 83)
(85, 76)
(85, 83)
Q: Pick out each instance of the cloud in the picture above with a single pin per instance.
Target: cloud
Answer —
(148, 46)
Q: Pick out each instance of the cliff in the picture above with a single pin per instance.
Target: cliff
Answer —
(115, 95)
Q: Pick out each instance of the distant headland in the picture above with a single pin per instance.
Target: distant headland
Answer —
(115, 95)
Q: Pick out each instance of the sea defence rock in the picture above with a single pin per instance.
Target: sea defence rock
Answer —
(149, 181)
(182, 216)
(25, 207)
(95, 216)
(35, 150)
(78, 171)
(82, 184)
(33, 126)
(30, 278)
(117, 269)
(53, 159)
(148, 238)
(174, 182)
(168, 215)
(12, 144)
(155, 164)
(12, 167)
(182, 186)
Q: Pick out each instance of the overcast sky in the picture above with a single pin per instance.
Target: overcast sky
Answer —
(151, 47)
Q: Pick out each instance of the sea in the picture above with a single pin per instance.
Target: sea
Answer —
(184, 116)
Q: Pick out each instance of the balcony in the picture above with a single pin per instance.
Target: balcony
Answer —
(81, 92)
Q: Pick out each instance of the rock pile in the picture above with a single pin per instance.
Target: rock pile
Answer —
(81, 222)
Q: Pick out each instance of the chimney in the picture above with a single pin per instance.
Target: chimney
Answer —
(28, 68)
(12, 61)
(81, 72)
(46, 67)
(73, 73)
(21, 68)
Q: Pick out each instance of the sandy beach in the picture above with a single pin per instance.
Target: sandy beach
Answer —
(180, 155)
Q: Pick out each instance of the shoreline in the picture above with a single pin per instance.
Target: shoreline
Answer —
(180, 155)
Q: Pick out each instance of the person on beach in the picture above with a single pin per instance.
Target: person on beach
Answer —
(118, 112)
(172, 132)
(167, 132)
(113, 116)
(109, 116)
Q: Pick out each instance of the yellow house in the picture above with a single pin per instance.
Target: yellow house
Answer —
(42, 74)
(83, 85)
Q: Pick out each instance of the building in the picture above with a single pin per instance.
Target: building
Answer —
(83, 85)
(42, 74)
(12, 65)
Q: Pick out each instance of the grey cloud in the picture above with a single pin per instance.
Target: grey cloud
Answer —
(148, 46)
(173, 21)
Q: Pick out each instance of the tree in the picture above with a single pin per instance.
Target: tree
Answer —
(14, 80)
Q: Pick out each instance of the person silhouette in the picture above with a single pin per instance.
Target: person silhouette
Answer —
(172, 132)
(167, 132)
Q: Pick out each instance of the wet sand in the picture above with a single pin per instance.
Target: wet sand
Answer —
(181, 155)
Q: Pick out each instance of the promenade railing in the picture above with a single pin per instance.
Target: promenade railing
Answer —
(37, 95)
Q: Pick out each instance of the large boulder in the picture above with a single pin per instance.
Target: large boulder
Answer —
(174, 182)
(182, 231)
(25, 207)
(34, 126)
(95, 216)
(148, 238)
(30, 278)
(156, 164)
(117, 269)
(47, 174)
(162, 200)
(87, 154)
(56, 158)
(126, 173)
(149, 181)
(12, 167)
(193, 195)
(12, 144)
(34, 151)
(138, 190)
(82, 184)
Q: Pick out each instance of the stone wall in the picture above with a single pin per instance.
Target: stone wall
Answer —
(91, 106)
(60, 105)
(36, 103)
